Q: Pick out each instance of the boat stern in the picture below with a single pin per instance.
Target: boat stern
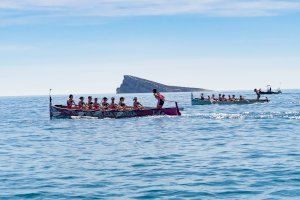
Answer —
(177, 108)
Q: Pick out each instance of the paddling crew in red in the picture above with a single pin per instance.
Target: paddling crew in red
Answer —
(104, 103)
(81, 104)
(90, 103)
(70, 102)
(137, 105)
(160, 99)
(113, 105)
(122, 105)
(96, 105)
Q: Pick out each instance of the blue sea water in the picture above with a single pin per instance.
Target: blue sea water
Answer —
(210, 152)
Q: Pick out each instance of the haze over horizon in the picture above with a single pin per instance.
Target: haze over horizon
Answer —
(86, 46)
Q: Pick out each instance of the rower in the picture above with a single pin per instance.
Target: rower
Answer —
(224, 98)
(220, 97)
(122, 105)
(96, 105)
(213, 97)
(137, 105)
(160, 99)
(242, 98)
(70, 102)
(202, 97)
(229, 98)
(104, 103)
(81, 104)
(90, 103)
(233, 98)
(113, 105)
(269, 88)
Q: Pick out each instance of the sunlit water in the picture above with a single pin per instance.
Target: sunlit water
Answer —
(210, 152)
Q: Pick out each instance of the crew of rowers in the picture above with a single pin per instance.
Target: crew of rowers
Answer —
(94, 104)
(221, 98)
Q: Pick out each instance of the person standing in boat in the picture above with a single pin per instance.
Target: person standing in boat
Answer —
(70, 102)
(257, 93)
(113, 105)
(160, 99)
(81, 104)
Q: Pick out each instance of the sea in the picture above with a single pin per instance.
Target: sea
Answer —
(210, 152)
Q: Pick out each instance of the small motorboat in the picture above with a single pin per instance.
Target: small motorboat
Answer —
(60, 111)
(197, 101)
(270, 91)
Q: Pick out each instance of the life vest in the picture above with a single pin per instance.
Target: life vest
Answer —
(113, 106)
(159, 96)
(122, 104)
(136, 105)
(90, 105)
(69, 104)
(96, 106)
(80, 104)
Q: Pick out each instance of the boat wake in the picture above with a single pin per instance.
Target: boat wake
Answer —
(247, 115)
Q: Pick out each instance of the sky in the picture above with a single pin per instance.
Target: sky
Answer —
(86, 46)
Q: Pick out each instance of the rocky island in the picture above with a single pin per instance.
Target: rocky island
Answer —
(132, 84)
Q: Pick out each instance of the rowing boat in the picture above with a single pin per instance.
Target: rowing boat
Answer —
(271, 92)
(197, 101)
(60, 111)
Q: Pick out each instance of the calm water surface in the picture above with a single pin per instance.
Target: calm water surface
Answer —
(211, 152)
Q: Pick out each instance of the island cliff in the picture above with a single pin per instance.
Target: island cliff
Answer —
(132, 84)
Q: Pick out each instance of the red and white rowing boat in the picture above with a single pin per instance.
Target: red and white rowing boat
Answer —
(60, 111)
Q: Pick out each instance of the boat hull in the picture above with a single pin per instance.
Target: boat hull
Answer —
(279, 92)
(59, 111)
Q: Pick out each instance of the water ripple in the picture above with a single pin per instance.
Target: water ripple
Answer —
(211, 152)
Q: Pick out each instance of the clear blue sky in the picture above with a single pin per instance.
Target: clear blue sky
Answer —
(86, 46)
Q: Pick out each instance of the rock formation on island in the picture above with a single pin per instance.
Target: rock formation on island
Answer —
(132, 84)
